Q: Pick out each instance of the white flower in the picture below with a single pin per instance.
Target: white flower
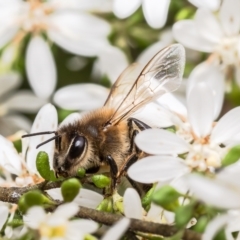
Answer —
(133, 208)
(197, 136)
(216, 34)
(117, 230)
(24, 165)
(75, 31)
(155, 12)
(225, 186)
(57, 224)
(85, 198)
(12, 102)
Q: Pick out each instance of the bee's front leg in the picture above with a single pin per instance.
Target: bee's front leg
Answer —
(113, 171)
(133, 132)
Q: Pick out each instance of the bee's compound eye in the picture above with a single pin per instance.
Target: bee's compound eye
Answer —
(77, 147)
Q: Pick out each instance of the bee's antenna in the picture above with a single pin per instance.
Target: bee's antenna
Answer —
(38, 133)
(49, 140)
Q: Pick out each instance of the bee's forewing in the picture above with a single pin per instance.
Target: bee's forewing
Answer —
(136, 87)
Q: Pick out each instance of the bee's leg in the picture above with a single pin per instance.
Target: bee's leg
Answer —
(113, 170)
(133, 132)
(141, 125)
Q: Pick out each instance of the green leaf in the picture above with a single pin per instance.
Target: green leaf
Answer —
(146, 200)
(183, 215)
(22, 205)
(167, 197)
(81, 172)
(43, 166)
(201, 224)
(232, 156)
(101, 181)
(33, 198)
(106, 205)
(70, 189)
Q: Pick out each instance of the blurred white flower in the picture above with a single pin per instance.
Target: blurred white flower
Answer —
(133, 208)
(216, 34)
(117, 230)
(12, 102)
(78, 32)
(24, 165)
(57, 225)
(155, 12)
(197, 136)
(85, 198)
(225, 186)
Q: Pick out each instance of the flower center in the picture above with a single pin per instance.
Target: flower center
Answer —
(227, 51)
(53, 231)
(203, 156)
(35, 19)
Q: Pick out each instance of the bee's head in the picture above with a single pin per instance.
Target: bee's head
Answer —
(70, 149)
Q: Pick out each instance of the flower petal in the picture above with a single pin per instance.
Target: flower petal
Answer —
(82, 34)
(71, 118)
(154, 115)
(4, 215)
(185, 32)
(92, 6)
(157, 168)
(125, 8)
(132, 204)
(88, 198)
(112, 61)
(229, 17)
(24, 101)
(227, 127)
(215, 226)
(8, 15)
(214, 78)
(158, 141)
(34, 217)
(118, 229)
(208, 26)
(10, 124)
(211, 190)
(83, 226)
(169, 101)
(156, 12)
(81, 96)
(9, 158)
(66, 211)
(9, 81)
(46, 120)
(212, 5)
(41, 69)
(201, 109)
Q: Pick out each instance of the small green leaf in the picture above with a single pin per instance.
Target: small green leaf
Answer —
(146, 200)
(106, 205)
(70, 189)
(183, 215)
(167, 197)
(232, 156)
(33, 198)
(101, 181)
(201, 224)
(22, 205)
(42, 163)
(81, 172)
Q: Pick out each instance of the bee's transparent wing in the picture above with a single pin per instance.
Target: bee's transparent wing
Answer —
(135, 88)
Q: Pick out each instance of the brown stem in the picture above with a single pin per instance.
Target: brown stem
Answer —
(13, 194)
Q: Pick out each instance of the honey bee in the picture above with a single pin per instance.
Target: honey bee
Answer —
(104, 139)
